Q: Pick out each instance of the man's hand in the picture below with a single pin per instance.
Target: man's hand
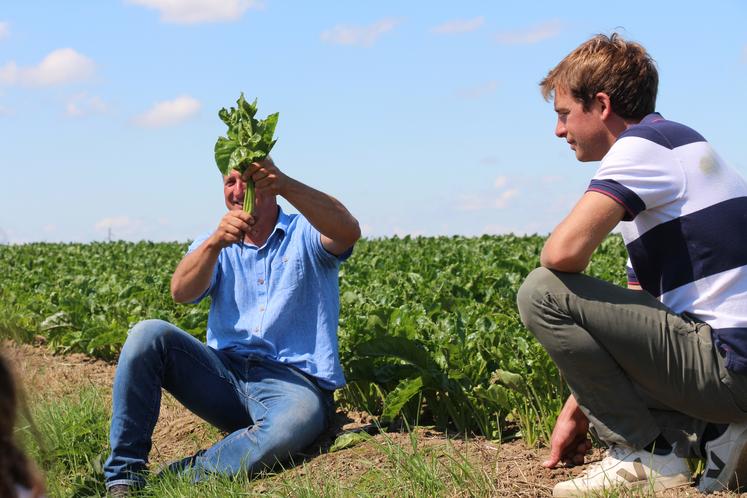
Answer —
(569, 442)
(268, 179)
(232, 228)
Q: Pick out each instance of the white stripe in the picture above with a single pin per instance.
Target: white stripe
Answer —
(708, 180)
(719, 300)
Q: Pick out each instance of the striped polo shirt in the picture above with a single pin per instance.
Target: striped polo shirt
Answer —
(685, 226)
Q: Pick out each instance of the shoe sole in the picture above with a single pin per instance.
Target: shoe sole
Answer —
(735, 472)
(659, 484)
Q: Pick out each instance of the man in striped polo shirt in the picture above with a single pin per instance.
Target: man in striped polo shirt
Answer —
(659, 370)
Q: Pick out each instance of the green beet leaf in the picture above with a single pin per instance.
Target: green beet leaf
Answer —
(247, 140)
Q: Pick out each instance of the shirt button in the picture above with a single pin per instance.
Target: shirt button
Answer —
(256, 329)
(261, 308)
(261, 281)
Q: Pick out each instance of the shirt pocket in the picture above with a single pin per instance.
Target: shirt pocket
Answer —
(286, 273)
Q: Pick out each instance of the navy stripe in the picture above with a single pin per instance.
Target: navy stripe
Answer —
(665, 133)
(733, 344)
(691, 247)
(622, 194)
(632, 277)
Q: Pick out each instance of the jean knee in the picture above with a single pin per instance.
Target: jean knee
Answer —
(147, 335)
(304, 418)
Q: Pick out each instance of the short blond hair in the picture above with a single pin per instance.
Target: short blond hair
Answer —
(609, 64)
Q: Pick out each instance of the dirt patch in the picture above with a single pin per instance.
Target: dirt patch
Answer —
(514, 468)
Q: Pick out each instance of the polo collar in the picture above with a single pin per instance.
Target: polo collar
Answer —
(651, 118)
(283, 221)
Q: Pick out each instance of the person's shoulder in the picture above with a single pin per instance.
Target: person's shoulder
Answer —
(293, 222)
(655, 130)
(197, 242)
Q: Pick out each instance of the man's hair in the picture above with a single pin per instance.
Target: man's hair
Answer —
(609, 64)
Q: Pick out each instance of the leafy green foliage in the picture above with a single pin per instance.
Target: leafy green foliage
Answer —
(429, 329)
(249, 140)
(85, 297)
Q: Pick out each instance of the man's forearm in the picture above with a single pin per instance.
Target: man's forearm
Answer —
(194, 272)
(324, 212)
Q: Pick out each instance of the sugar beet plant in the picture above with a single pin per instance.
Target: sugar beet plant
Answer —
(429, 329)
(248, 140)
(84, 297)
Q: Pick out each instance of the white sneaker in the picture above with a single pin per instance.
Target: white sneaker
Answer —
(726, 460)
(624, 467)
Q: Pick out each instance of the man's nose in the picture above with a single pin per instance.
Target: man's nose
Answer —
(560, 130)
(239, 188)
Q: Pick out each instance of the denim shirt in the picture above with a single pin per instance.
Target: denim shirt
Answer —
(279, 302)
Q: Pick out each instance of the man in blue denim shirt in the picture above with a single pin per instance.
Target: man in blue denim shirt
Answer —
(270, 365)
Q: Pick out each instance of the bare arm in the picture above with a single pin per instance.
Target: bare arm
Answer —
(192, 276)
(571, 244)
(339, 229)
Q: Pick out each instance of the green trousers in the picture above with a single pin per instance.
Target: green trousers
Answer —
(636, 368)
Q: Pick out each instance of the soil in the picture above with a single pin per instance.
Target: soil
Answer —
(514, 467)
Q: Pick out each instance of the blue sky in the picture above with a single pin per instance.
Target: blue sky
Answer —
(424, 118)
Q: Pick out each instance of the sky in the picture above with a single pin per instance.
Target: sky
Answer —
(422, 117)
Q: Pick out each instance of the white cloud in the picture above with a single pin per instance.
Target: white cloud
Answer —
(4, 30)
(168, 112)
(500, 182)
(359, 35)
(503, 199)
(744, 54)
(6, 111)
(61, 66)
(198, 11)
(478, 91)
(459, 26)
(531, 35)
(489, 160)
(82, 104)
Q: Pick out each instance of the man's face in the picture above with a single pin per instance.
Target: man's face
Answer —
(585, 131)
(233, 190)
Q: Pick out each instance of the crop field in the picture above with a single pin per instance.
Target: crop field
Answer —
(428, 326)
(429, 331)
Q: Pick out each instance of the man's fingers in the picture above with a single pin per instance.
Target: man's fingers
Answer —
(584, 446)
(249, 172)
(554, 457)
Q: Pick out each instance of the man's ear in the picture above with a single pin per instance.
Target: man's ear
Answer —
(605, 106)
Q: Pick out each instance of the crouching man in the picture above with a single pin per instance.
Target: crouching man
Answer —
(659, 373)
(270, 365)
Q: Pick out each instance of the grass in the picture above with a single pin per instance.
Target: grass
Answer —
(69, 443)
(68, 440)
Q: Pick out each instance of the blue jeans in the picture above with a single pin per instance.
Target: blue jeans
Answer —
(270, 410)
